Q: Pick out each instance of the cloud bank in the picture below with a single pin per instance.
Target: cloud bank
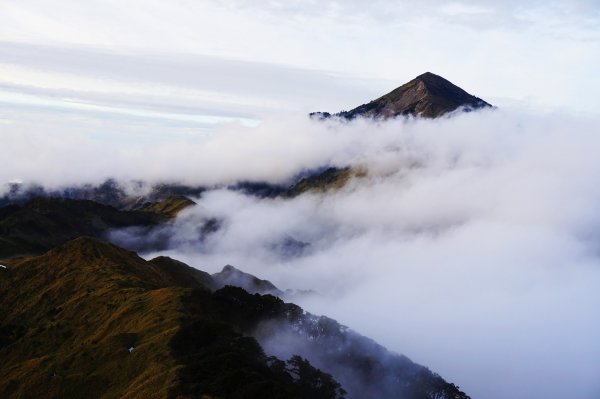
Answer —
(471, 245)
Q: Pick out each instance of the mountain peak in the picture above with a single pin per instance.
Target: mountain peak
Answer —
(427, 96)
(229, 269)
(429, 75)
(230, 275)
(431, 80)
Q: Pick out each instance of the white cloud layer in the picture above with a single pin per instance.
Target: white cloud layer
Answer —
(472, 246)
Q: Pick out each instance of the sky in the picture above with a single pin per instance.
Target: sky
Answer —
(471, 244)
(203, 63)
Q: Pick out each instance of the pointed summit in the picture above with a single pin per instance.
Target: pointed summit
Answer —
(233, 276)
(428, 96)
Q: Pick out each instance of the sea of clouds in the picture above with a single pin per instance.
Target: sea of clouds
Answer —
(470, 244)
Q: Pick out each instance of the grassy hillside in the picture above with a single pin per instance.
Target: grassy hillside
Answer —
(88, 319)
(76, 311)
(71, 316)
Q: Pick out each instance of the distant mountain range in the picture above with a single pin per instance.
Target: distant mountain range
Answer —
(426, 96)
(110, 192)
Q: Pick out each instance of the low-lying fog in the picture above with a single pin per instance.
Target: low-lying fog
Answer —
(472, 244)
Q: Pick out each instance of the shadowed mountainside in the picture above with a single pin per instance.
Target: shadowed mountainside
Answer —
(89, 319)
(110, 192)
(43, 223)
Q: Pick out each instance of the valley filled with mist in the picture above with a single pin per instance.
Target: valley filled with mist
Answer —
(468, 243)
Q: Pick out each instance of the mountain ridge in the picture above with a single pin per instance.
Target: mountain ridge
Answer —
(90, 319)
(94, 320)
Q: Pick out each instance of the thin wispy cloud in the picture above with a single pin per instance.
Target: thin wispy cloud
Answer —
(227, 49)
